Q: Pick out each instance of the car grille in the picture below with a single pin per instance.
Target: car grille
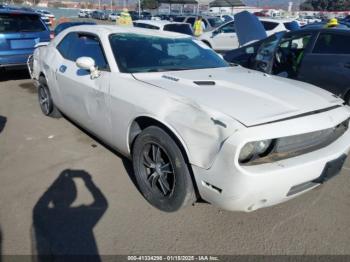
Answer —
(287, 147)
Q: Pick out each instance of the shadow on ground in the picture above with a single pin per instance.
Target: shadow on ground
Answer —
(29, 86)
(126, 162)
(7, 75)
(3, 121)
(61, 229)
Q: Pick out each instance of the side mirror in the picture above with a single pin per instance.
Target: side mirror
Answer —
(87, 63)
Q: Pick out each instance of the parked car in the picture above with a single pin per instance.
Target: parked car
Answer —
(20, 31)
(113, 16)
(278, 25)
(224, 37)
(99, 15)
(191, 124)
(59, 28)
(226, 17)
(46, 16)
(83, 13)
(341, 25)
(210, 22)
(46, 13)
(183, 28)
(316, 56)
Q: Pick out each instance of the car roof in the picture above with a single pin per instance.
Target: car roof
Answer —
(113, 29)
(321, 30)
(276, 20)
(17, 11)
(158, 22)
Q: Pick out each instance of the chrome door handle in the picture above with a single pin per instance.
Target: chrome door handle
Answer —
(63, 68)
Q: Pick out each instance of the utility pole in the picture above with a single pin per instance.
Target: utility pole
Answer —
(139, 9)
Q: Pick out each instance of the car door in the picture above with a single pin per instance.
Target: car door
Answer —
(265, 55)
(225, 38)
(85, 98)
(327, 65)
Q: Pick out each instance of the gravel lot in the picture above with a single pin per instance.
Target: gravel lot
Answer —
(43, 160)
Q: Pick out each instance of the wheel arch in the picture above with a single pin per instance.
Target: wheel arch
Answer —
(207, 43)
(141, 122)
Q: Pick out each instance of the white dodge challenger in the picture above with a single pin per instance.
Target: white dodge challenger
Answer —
(193, 125)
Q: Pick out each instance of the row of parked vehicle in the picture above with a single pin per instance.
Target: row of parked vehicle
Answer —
(111, 15)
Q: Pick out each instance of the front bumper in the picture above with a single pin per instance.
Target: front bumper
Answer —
(246, 188)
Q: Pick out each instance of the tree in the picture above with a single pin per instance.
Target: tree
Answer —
(149, 4)
(325, 5)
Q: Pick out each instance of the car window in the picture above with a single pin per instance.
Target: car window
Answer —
(269, 25)
(299, 42)
(191, 20)
(10, 23)
(178, 19)
(63, 46)
(265, 53)
(136, 53)
(332, 43)
(179, 28)
(228, 28)
(76, 45)
(215, 21)
(148, 26)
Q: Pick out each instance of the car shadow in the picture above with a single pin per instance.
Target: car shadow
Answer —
(61, 230)
(7, 75)
(3, 121)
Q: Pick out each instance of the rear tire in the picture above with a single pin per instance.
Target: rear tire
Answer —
(46, 103)
(161, 171)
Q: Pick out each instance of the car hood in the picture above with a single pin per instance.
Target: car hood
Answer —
(248, 96)
(248, 28)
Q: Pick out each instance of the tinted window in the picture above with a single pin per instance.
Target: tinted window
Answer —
(20, 23)
(191, 20)
(332, 44)
(229, 28)
(142, 25)
(76, 45)
(215, 21)
(178, 19)
(140, 53)
(179, 28)
(63, 46)
(269, 25)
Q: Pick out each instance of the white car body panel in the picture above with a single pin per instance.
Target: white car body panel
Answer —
(228, 41)
(212, 123)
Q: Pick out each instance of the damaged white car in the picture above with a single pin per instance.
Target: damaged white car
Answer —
(193, 125)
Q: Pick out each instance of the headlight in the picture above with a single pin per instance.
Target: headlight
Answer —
(254, 149)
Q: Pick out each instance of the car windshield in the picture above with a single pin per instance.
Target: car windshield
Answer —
(215, 21)
(136, 53)
(20, 23)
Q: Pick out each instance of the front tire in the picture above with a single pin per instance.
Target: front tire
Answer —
(161, 171)
(46, 103)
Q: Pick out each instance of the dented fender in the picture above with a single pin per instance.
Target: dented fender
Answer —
(203, 131)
